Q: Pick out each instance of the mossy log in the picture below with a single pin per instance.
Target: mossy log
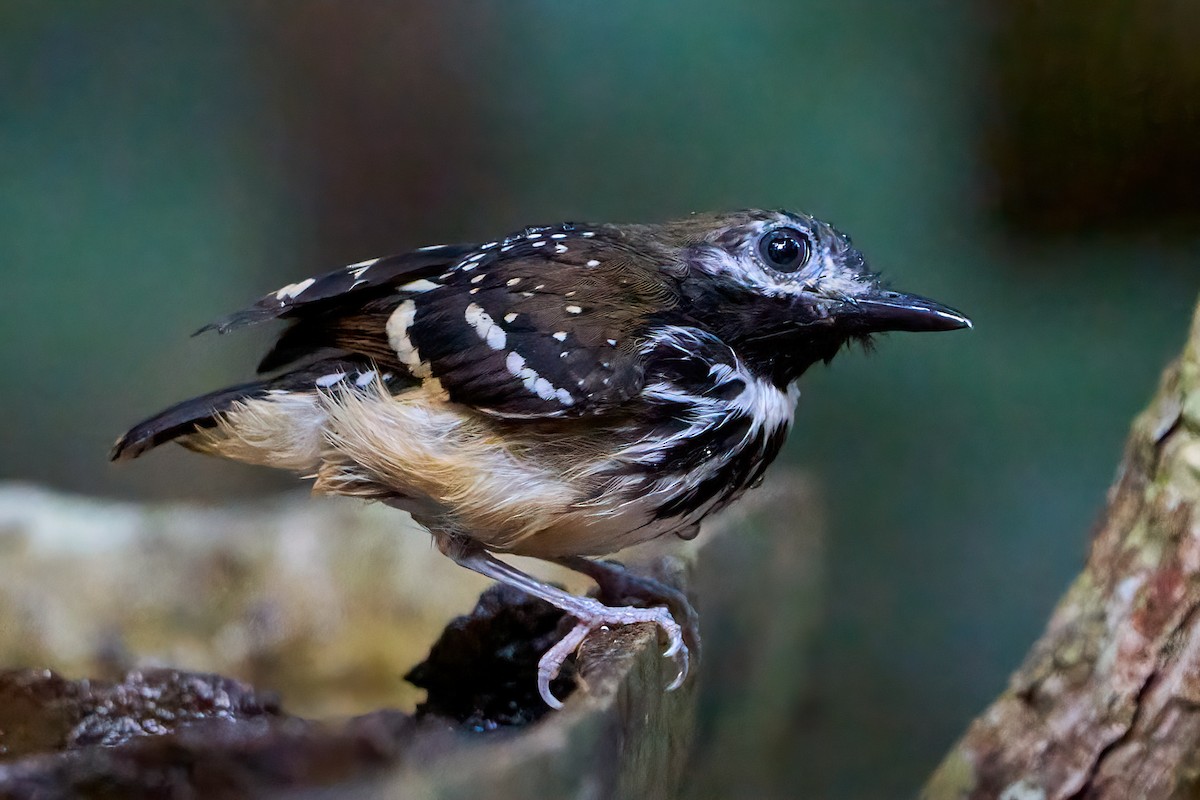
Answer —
(1107, 703)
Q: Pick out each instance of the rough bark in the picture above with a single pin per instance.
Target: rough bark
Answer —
(1107, 703)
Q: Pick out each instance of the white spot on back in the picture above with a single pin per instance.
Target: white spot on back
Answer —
(560, 335)
(365, 378)
(479, 277)
(419, 285)
(534, 382)
(512, 281)
(429, 247)
(290, 291)
(397, 331)
(560, 248)
(510, 317)
(325, 381)
(574, 310)
(514, 363)
(486, 327)
(358, 269)
(593, 263)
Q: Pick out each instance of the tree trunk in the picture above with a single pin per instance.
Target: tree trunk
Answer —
(1107, 703)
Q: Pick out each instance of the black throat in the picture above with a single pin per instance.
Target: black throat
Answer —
(777, 338)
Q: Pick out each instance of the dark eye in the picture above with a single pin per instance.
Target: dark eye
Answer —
(785, 249)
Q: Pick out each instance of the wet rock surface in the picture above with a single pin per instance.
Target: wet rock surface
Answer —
(215, 758)
(41, 711)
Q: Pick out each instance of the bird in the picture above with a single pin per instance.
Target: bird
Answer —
(563, 392)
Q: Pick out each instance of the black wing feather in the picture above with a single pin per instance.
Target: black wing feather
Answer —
(569, 312)
(567, 304)
(356, 282)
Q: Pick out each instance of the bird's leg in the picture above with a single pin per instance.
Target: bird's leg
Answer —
(619, 584)
(590, 613)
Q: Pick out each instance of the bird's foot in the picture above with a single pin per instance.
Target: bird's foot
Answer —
(619, 585)
(592, 615)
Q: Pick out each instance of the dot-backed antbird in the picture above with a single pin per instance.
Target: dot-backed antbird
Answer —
(561, 393)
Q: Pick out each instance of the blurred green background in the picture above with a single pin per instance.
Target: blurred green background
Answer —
(1033, 164)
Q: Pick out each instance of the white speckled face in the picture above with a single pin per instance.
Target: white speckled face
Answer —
(787, 254)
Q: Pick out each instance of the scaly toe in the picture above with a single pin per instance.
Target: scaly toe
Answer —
(598, 616)
(552, 660)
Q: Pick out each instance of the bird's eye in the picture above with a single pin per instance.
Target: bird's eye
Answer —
(785, 249)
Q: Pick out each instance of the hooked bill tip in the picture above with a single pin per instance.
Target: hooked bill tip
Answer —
(893, 311)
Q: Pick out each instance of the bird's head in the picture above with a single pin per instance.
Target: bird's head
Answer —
(787, 290)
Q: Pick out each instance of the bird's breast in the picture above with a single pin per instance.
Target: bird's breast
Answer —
(585, 488)
(705, 450)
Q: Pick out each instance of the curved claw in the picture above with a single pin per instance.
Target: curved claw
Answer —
(600, 616)
(680, 677)
(552, 660)
(679, 652)
(618, 584)
(548, 696)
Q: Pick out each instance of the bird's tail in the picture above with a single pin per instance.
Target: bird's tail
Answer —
(183, 418)
(302, 384)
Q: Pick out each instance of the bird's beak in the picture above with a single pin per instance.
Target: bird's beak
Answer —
(882, 310)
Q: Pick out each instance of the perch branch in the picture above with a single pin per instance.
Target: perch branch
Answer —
(1107, 703)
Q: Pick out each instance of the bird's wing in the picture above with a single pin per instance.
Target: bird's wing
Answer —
(544, 323)
(550, 327)
(356, 283)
